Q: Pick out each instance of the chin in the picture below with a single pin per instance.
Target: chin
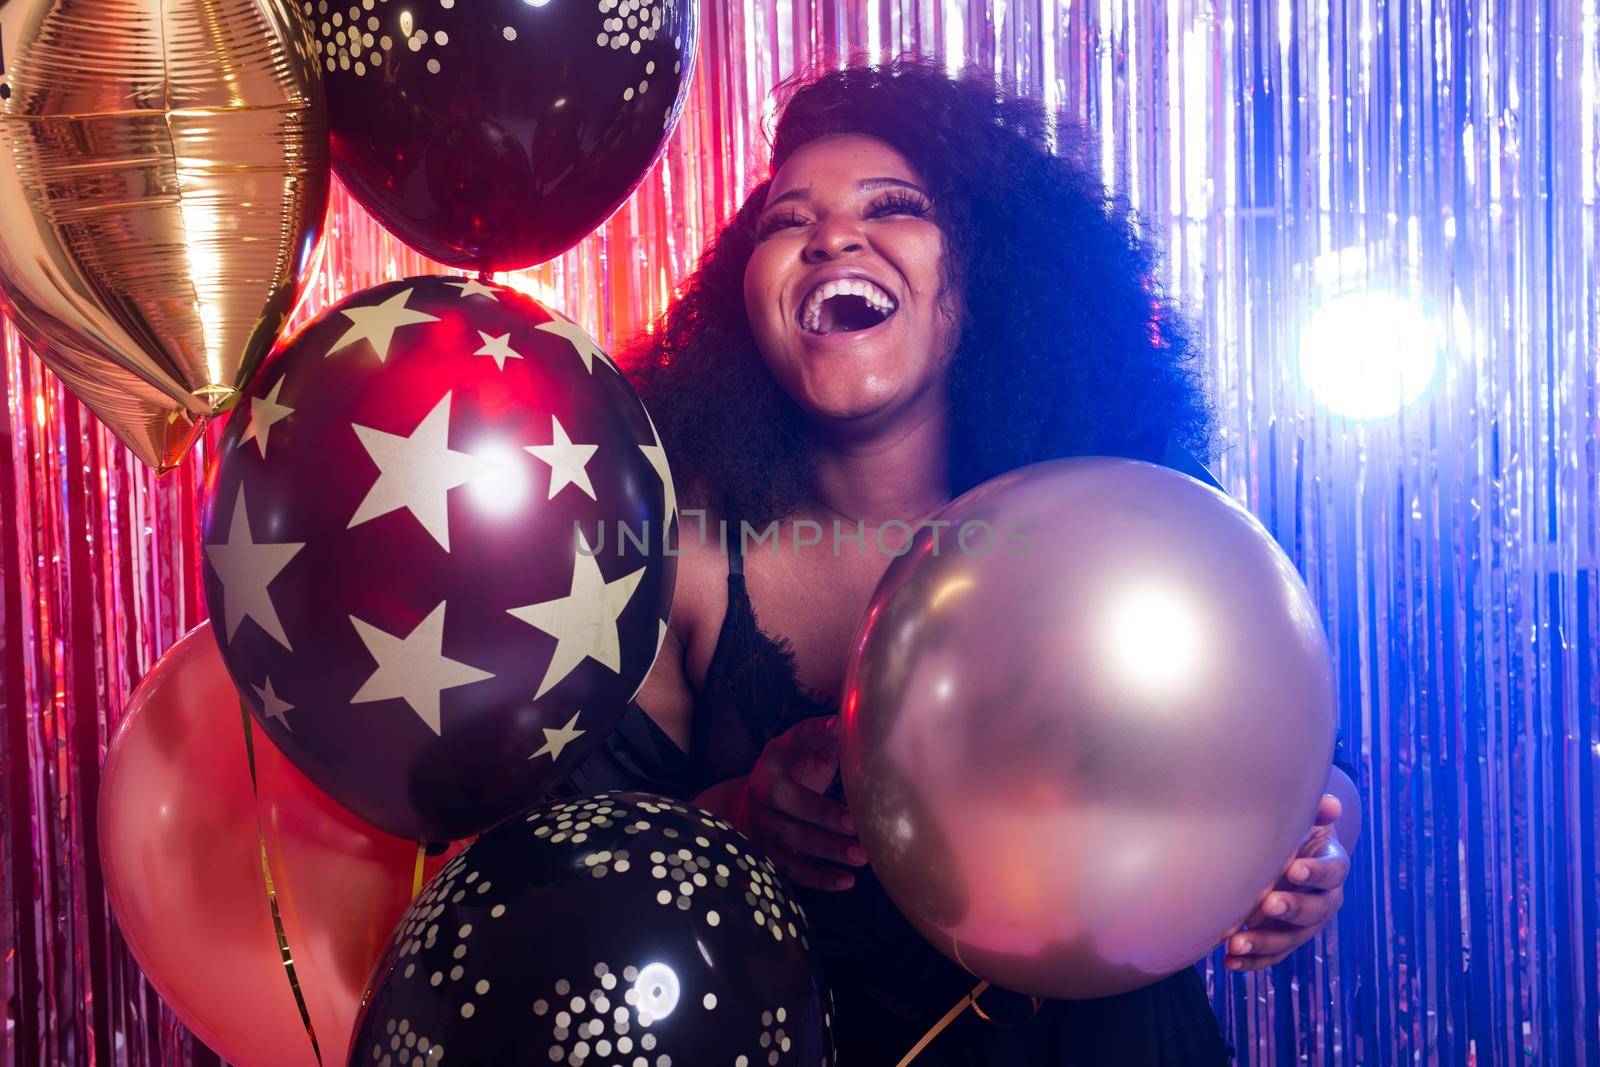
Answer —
(853, 405)
(845, 391)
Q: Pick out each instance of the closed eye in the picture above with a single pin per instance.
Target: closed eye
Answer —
(894, 203)
(779, 222)
(898, 204)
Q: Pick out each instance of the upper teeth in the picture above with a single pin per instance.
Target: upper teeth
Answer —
(811, 313)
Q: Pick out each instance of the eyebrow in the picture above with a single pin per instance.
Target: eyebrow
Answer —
(866, 185)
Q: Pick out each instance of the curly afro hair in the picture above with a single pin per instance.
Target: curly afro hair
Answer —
(1065, 346)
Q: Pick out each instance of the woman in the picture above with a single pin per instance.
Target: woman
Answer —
(921, 297)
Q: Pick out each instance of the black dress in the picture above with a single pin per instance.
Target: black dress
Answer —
(889, 985)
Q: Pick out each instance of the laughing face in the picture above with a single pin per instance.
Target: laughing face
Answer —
(843, 289)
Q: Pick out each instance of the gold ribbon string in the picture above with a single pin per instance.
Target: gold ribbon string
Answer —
(272, 895)
(416, 873)
(970, 1000)
(977, 1009)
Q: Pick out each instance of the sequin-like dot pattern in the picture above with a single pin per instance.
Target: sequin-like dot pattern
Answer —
(404, 1045)
(352, 37)
(693, 864)
(613, 1012)
(359, 38)
(627, 23)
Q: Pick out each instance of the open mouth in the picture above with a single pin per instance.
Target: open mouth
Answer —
(845, 306)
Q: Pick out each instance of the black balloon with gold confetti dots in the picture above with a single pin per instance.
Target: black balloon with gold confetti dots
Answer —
(495, 134)
(620, 930)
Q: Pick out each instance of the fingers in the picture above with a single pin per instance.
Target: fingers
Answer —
(807, 753)
(793, 799)
(789, 816)
(810, 841)
(1323, 870)
(819, 734)
(1327, 872)
(1304, 900)
(804, 872)
(1297, 909)
(1329, 810)
(1254, 949)
(807, 823)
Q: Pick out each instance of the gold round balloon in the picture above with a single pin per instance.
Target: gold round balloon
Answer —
(166, 180)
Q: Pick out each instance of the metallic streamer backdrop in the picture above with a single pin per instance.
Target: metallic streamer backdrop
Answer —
(1284, 153)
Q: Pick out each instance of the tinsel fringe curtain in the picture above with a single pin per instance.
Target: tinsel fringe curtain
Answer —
(1283, 153)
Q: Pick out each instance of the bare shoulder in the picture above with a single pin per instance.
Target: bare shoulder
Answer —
(699, 602)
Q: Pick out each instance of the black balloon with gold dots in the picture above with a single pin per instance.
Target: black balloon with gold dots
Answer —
(495, 134)
(619, 930)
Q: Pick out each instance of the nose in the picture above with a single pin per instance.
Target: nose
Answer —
(833, 238)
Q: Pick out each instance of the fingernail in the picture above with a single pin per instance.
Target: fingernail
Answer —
(1277, 906)
(1233, 965)
(1243, 948)
(1300, 872)
(844, 881)
(856, 854)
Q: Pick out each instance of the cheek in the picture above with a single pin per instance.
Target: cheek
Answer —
(925, 260)
(761, 286)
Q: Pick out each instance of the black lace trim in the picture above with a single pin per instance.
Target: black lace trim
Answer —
(759, 672)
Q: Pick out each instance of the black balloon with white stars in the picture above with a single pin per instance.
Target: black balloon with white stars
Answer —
(619, 930)
(437, 551)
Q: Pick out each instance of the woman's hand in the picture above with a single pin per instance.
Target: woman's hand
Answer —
(1300, 904)
(781, 807)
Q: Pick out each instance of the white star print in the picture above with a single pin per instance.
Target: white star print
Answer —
(580, 341)
(272, 705)
(568, 462)
(265, 412)
(498, 347)
(473, 287)
(413, 668)
(376, 323)
(417, 473)
(584, 622)
(246, 568)
(557, 740)
(657, 456)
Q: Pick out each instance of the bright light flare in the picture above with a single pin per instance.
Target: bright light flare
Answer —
(656, 992)
(503, 490)
(1369, 355)
(1154, 638)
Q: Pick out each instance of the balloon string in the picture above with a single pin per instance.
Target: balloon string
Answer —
(1038, 1002)
(272, 895)
(416, 873)
(970, 1000)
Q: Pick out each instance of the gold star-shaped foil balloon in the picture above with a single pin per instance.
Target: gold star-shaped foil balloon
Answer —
(132, 133)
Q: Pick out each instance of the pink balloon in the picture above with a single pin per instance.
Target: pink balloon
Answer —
(1079, 745)
(181, 851)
